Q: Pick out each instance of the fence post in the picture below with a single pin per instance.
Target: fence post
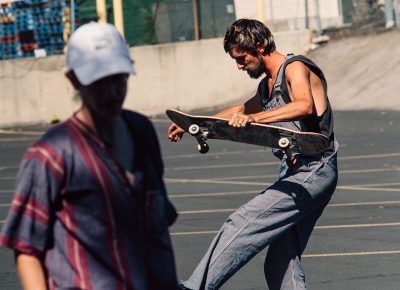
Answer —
(196, 20)
(307, 23)
(101, 10)
(118, 16)
(72, 7)
(261, 10)
(318, 16)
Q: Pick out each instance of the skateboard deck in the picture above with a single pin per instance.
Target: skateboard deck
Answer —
(292, 142)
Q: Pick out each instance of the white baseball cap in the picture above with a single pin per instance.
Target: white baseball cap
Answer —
(96, 50)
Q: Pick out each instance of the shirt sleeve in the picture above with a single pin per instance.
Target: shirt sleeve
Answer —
(29, 221)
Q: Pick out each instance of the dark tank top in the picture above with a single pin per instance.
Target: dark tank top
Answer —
(280, 96)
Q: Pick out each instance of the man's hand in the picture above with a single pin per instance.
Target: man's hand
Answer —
(240, 120)
(175, 133)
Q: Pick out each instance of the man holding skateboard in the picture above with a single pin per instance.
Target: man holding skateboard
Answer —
(292, 95)
(90, 209)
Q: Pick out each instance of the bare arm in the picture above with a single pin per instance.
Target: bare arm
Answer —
(252, 106)
(227, 113)
(302, 105)
(31, 272)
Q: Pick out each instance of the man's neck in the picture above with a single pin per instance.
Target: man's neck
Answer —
(272, 63)
(103, 127)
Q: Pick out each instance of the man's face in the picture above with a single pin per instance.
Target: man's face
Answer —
(104, 98)
(245, 61)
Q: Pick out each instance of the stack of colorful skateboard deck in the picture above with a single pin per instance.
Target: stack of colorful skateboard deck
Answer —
(26, 26)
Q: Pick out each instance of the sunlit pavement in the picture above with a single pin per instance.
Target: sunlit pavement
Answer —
(355, 244)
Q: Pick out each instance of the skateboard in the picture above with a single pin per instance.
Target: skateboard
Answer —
(294, 143)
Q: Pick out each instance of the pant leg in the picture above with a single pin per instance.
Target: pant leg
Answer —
(389, 13)
(259, 222)
(282, 267)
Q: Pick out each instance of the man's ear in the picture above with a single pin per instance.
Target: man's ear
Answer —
(73, 79)
(260, 48)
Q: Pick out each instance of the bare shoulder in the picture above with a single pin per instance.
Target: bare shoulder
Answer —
(296, 69)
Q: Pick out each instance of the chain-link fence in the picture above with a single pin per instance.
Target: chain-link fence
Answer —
(162, 21)
(179, 20)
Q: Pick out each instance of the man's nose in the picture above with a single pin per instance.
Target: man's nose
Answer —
(240, 66)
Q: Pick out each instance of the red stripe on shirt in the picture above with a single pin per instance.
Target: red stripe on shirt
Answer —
(76, 253)
(48, 156)
(98, 170)
(52, 284)
(30, 207)
(18, 245)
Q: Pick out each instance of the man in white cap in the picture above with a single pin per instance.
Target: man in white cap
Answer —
(90, 209)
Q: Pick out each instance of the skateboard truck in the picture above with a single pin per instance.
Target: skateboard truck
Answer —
(290, 149)
(292, 153)
(201, 136)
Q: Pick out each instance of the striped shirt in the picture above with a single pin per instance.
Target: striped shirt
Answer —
(93, 225)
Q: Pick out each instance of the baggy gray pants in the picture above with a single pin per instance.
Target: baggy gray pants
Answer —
(282, 217)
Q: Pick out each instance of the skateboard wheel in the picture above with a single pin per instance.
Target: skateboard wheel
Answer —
(194, 129)
(283, 143)
(203, 148)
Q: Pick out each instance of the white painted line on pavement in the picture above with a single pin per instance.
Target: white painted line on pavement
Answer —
(233, 209)
(384, 155)
(232, 182)
(220, 166)
(14, 132)
(351, 204)
(8, 167)
(373, 170)
(355, 157)
(360, 188)
(340, 172)
(213, 181)
(358, 226)
(244, 192)
(247, 177)
(7, 191)
(8, 178)
(377, 184)
(350, 254)
(355, 226)
(200, 211)
(192, 233)
(366, 203)
(16, 139)
(215, 194)
(221, 153)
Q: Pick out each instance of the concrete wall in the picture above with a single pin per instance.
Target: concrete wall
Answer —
(290, 14)
(187, 75)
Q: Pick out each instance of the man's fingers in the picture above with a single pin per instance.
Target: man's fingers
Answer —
(233, 120)
(239, 120)
(175, 133)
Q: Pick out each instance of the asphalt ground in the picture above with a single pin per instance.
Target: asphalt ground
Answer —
(356, 242)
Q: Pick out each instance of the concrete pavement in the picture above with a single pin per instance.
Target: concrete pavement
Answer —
(355, 244)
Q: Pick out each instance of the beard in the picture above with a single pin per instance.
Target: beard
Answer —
(257, 71)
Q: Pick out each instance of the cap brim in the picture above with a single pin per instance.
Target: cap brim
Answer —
(89, 73)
